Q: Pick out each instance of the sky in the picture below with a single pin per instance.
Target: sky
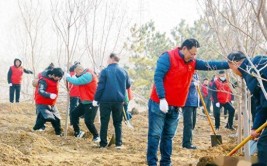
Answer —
(166, 15)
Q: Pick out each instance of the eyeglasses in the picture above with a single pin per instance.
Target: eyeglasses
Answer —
(192, 54)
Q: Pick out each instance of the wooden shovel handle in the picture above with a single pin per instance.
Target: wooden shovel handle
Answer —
(205, 109)
(246, 140)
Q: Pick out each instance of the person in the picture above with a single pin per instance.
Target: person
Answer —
(242, 67)
(14, 78)
(110, 95)
(222, 97)
(45, 100)
(86, 80)
(190, 114)
(73, 90)
(172, 78)
(206, 94)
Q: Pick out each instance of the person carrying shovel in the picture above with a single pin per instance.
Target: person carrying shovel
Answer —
(172, 78)
(247, 69)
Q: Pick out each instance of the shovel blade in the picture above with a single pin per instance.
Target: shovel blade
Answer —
(216, 140)
(112, 140)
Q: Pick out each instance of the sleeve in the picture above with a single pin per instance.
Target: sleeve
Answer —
(260, 118)
(214, 93)
(128, 83)
(9, 74)
(101, 85)
(42, 89)
(163, 66)
(211, 65)
(83, 79)
(27, 71)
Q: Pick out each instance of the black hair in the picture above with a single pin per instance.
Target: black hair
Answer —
(205, 79)
(115, 57)
(51, 66)
(57, 72)
(189, 43)
(236, 56)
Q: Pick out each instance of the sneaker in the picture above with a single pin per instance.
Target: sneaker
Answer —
(79, 135)
(96, 139)
(59, 134)
(119, 147)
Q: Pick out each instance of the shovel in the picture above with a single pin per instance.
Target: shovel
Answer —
(112, 140)
(127, 122)
(241, 144)
(215, 139)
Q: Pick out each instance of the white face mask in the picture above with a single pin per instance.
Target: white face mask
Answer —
(222, 78)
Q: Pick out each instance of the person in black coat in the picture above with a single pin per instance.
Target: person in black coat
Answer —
(241, 66)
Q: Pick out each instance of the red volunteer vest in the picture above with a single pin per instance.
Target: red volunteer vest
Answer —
(16, 76)
(52, 87)
(74, 89)
(223, 91)
(177, 80)
(204, 90)
(87, 91)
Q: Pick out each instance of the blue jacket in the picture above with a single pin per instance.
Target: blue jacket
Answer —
(163, 66)
(193, 98)
(112, 84)
(254, 88)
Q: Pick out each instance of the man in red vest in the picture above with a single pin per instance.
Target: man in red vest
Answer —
(172, 78)
(45, 100)
(14, 78)
(222, 97)
(87, 82)
(206, 93)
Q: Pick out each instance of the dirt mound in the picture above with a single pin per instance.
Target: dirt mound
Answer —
(12, 156)
(27, 142)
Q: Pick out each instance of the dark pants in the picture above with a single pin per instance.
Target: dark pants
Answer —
(74, 102)
(189, 114)
(15, 88)
(227, 107)
(262, 150)
(207, 102)
(89, 112)
(116, 110)
(40, 121)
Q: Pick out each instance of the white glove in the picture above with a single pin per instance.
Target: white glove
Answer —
(163, 105)
(217, 104)
(94, 103)
(53, 96)
(196, 83)
(233, 102)
(10, 84)
(66, 75)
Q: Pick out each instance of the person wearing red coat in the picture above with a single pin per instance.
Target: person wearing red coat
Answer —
(222, 96)
(14, 79)
(206, 93)
(45, 100)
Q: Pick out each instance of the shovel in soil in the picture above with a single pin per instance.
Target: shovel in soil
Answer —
(112, 140)
(215, 139)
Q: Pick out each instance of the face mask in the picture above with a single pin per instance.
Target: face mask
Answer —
(222, 78)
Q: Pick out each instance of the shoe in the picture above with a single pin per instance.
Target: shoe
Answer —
(217, 128)
(103, 147)
(230, 128)
(59, 134)
(119, 147)
(79, 135)
(190, 147)
(96, 139)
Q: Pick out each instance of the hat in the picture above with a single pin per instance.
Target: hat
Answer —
(236, 56)
(77, 63)
(221, 72)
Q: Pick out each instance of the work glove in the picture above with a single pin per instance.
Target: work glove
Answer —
(196, 83)
(163, 105)
(10, 84)
(95, 103)
(53, 96)
(217, 104)
(66, 75)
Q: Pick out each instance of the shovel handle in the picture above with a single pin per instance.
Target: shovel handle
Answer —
(241, 144)
(205, 110)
